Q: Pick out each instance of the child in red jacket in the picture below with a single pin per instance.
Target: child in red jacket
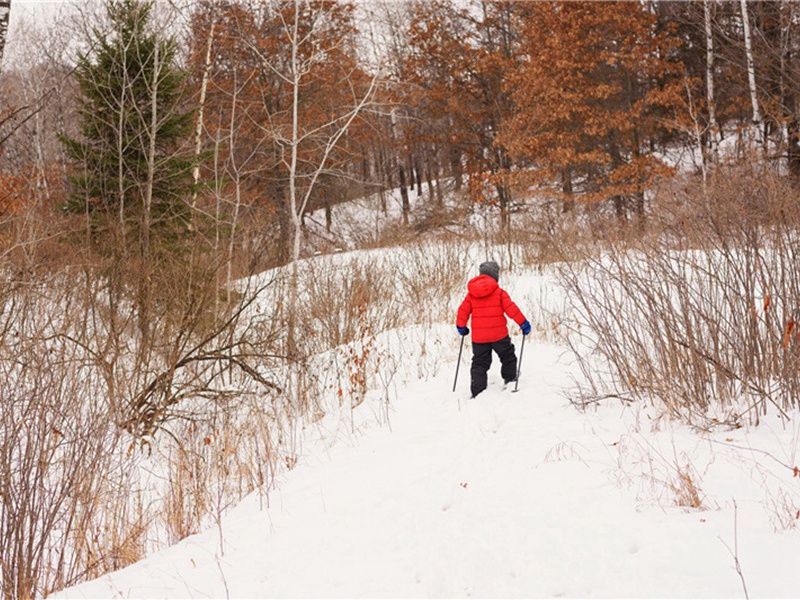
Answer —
(489, 304)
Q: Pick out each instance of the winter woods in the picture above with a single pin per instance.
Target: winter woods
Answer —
(580, 100)
(166, 167)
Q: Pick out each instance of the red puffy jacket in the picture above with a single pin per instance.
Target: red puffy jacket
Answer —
(488, 304)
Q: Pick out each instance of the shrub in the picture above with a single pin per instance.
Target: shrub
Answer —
(697, 315)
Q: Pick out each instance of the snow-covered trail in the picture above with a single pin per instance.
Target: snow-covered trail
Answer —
(505, 495)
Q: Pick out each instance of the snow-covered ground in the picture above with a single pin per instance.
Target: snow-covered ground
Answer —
(423, 492)
(506, 495)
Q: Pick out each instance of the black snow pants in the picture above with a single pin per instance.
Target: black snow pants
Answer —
(482, 360)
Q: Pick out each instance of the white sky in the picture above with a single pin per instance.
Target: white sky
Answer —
(36, 18)
(40, 15)
(38, 12)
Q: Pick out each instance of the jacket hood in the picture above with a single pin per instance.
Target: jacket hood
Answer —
(482, 286)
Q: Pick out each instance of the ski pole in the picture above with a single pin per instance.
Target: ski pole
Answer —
(458, 364)
(519, 366)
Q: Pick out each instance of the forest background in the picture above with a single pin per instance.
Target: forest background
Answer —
(155, 155)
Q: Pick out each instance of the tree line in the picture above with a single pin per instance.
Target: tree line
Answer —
(170, 118)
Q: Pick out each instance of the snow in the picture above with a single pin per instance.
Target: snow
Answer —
(505, 495)
(423, 492)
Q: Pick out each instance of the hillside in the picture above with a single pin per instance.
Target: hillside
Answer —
(234, 236)
(428, 493)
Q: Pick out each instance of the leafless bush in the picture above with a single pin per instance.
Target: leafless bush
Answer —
(349, 298)
(344, 300)
(427, 277)
(58, 445)
(82, 389)
(348, 301)
(202, 395)
(543, 233)
(700, 316)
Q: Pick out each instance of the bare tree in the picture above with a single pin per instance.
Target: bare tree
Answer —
(198, 134)
(712, 115)
(751, 70)
(5, 11)
(337, 129)
(301, 27)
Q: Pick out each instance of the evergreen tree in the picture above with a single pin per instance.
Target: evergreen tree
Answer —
(129, 160)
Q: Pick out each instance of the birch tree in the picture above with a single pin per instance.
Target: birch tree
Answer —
(312, 59)
(751, 69)
(299, 195)
(198, 132)
(5, 11)
(788, 88)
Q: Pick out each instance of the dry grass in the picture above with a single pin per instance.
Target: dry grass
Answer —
(204, 397)
(86, 394)
(685, 487)
(698, 314)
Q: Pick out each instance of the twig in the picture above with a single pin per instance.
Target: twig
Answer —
(735, 551)
(756, 388)
(793, 469)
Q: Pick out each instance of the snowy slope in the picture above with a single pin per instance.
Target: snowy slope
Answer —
(509, 495)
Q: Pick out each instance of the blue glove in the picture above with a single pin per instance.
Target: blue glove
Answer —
(462, 330)
(526, 327)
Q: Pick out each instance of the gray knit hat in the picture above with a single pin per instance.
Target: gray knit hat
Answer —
(491, 268)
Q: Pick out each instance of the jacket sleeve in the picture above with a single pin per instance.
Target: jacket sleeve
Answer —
(464, 311)
(511, 309)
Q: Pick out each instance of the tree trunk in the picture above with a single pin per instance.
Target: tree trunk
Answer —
(620, 204)
(284, 221)
(366, 169)
(5, 11)
(429, 179)
(121, 166)
(503, 198)
(198, 133)
(788, 95)
(291, 345)
(456, 168)
(566, 189)
(417, 170)
(504, 189)
(401, 173)
(712, 113)
(384, 179)
(619, 209)
(751, 70)
(237, 180)
(638, 195)
(793, 147)
(144, 236)
(438, 181)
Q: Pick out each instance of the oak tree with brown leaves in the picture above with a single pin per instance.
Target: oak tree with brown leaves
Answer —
(459, 58)
(591, 87)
